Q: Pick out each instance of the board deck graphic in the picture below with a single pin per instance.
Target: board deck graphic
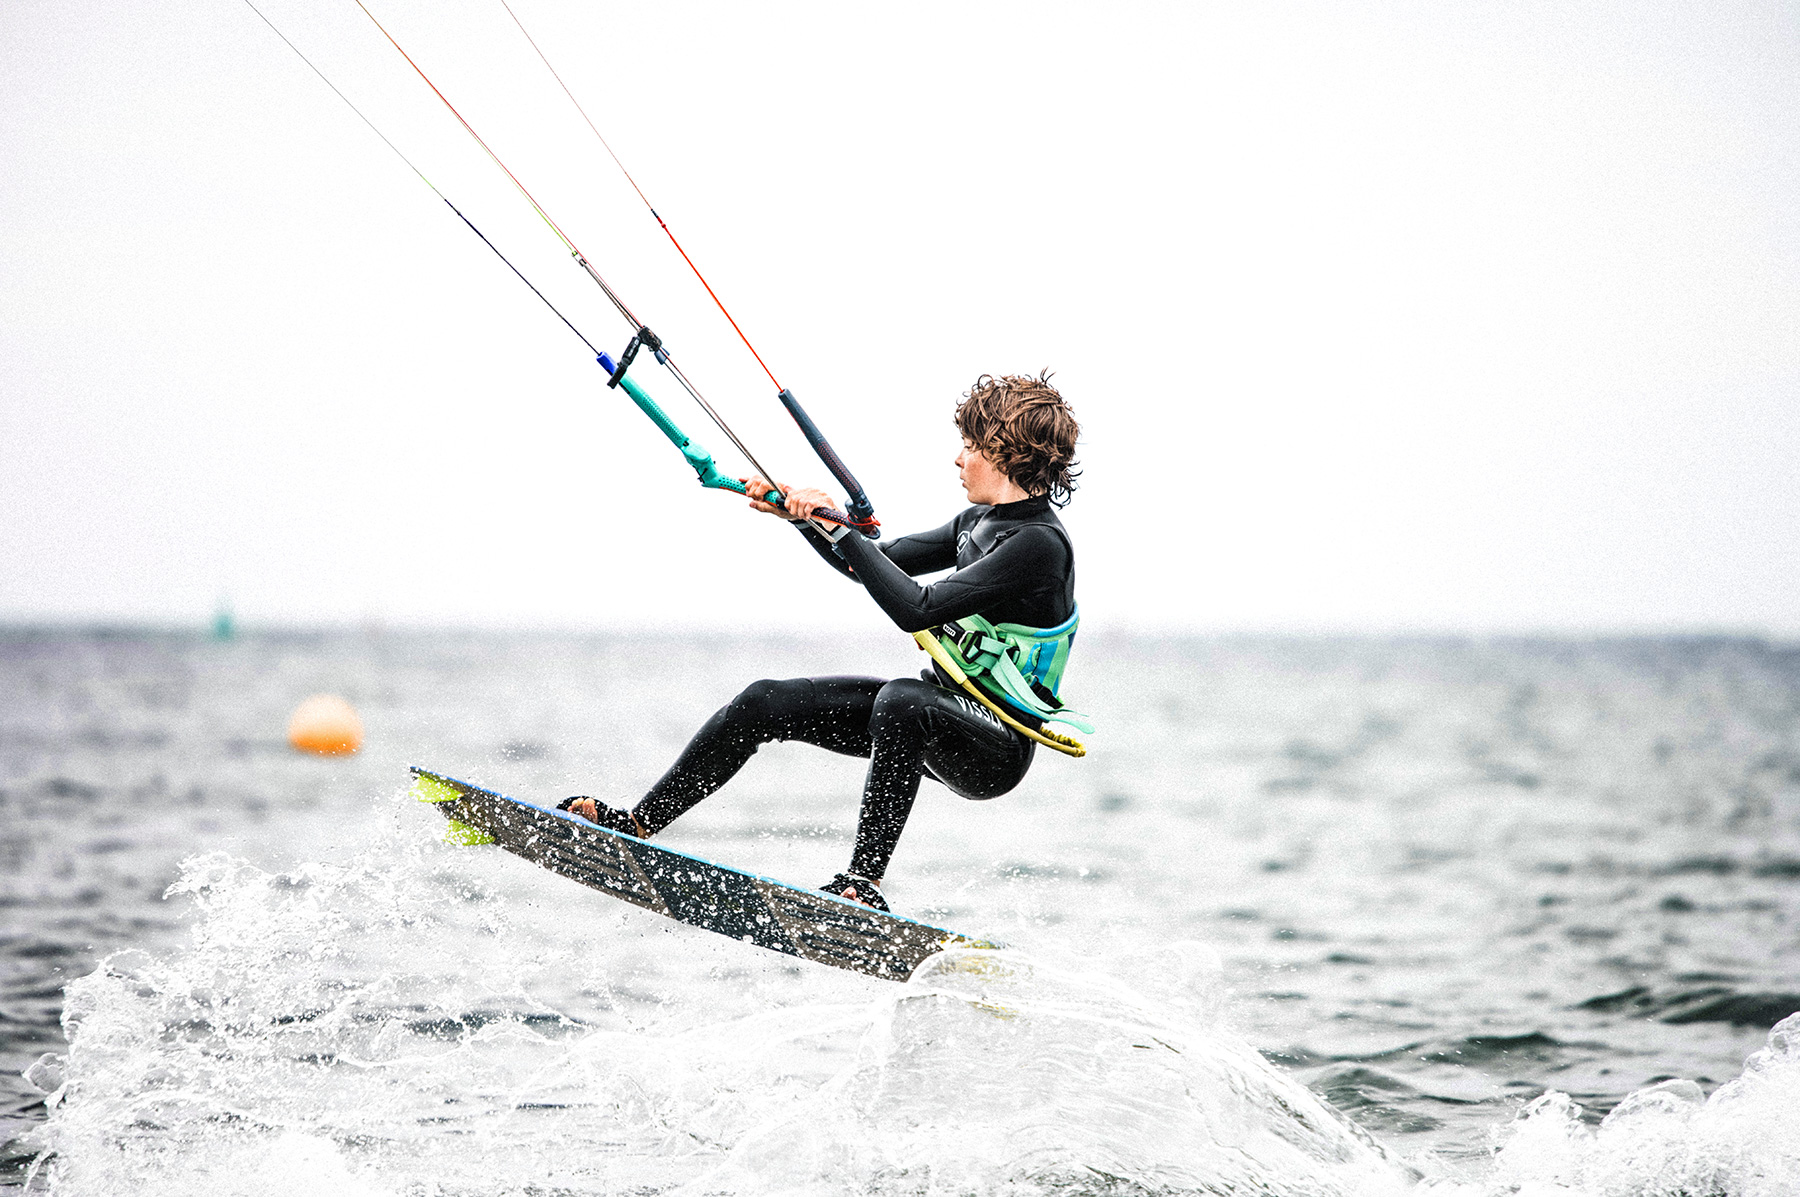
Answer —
(770, 914)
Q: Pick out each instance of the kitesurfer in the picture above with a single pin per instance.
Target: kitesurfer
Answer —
(1012, 577)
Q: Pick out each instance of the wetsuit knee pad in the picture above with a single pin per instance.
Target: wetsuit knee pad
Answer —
(765, 702)
(900, 704)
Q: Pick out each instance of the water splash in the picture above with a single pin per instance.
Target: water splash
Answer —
(379, 1027)
(992, 1073)
(415, 1022)
(1743, 1141)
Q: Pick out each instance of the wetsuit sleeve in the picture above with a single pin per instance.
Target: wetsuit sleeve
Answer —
(824, 548)
(924, 552)
(1026, 562)
(920, 553)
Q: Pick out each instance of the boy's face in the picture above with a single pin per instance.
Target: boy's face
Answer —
(982, 479)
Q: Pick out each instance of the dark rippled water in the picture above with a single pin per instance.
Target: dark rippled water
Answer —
(1469, 895)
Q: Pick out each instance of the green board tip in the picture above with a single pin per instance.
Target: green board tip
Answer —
(430, 789)
(462, 835)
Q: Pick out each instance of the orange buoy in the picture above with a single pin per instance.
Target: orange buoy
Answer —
(327, 725)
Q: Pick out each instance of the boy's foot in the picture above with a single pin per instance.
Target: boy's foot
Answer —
(857, 888)
(600, 814)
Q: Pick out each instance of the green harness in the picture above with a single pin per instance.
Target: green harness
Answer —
(1020, 666)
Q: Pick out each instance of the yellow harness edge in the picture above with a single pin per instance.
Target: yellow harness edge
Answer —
(1048, 739)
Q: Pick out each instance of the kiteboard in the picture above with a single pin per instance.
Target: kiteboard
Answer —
(757, 910)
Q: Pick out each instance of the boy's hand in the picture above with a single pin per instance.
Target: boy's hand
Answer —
(800, 502)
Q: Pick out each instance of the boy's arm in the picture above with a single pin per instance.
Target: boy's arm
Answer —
(919, 553)
(1021, 565)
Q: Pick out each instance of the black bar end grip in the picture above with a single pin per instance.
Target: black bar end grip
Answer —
(864, 511)
(860, 507)
(625, 359)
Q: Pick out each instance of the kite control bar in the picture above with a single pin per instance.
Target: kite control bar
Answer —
(702, 462)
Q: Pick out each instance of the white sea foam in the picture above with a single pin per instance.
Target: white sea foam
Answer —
(375, 1028)
(990, 1073)
(371, 1028)
(1743, 1141)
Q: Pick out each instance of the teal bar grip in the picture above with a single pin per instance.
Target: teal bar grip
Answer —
(697, 456)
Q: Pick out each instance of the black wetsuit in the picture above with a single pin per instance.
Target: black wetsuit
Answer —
(1013, 564)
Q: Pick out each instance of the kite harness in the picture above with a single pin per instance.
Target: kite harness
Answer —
(1018, 665)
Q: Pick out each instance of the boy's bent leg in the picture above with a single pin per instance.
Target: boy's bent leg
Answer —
(915, 723)
(829, 712)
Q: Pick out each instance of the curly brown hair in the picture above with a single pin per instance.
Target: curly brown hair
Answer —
(1022, 425)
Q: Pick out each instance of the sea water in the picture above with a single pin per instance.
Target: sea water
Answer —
(1317, 916)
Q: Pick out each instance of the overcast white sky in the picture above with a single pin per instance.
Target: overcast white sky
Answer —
(1377, 315)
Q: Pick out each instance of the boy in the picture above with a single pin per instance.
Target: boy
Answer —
(1011, 564)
